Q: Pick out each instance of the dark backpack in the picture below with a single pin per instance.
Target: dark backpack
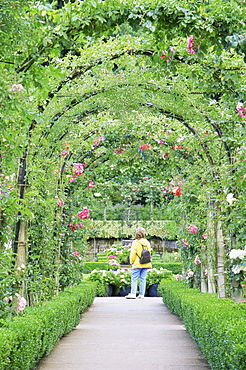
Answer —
(145, 256)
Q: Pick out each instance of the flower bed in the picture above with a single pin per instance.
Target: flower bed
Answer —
(31, 335)
(120, 278)
(121, 252)
(217, 325)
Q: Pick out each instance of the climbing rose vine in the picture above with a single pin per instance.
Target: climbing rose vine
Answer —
(193, 229)
(78, 170)
(191, 45)
(240, 110)
(145, 146)
(84, 213)
(76, 226)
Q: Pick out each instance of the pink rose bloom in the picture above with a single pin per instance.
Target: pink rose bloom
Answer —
(190, 274)
(84, 214)
(178, 277)
(21, 304)
(197, 261)
(240, 110)
(145, 146)
(204, 236)
(91, 184)
(97, 141)
(60, 203)
(78, 169)
(193, 229)
(185, 243)
(63, 154)
(191, 45)
(164, 54)
(75, 254)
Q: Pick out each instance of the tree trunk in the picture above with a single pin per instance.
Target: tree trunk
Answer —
(22, 255)
(58, 253)
(22, 250)
(210, 248)
(221, 259)
(204, 286)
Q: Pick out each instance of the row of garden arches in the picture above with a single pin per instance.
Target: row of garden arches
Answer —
(120, 109)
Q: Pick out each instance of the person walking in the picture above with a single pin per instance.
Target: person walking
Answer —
(139, 270)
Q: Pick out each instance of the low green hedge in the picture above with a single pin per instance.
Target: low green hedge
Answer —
(217, 325)
(175, 267)
(90, 266)
(32, 335)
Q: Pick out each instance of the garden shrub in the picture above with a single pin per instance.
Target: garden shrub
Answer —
(26, 338)
(175, 267)
(217, 325)
(90, 266)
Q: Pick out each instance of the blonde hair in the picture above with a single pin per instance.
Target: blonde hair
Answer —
(140, 232)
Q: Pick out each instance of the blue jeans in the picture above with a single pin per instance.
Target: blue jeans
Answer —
(136, 273)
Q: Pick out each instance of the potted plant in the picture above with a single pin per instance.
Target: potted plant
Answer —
(109, 279)
(123, 278)
(106, 281)
(153, 279)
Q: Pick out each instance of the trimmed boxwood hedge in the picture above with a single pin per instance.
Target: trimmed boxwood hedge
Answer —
(175, 267)
(217, 325)
(90, 266)
(32, 335)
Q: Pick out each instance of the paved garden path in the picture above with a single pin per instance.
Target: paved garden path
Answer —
(121, 334)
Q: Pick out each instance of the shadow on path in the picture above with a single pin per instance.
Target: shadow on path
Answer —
(123, 334)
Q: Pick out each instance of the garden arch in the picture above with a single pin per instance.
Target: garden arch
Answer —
(158, 81)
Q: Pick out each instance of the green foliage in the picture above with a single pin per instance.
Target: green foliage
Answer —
(115, 229)
(90, 266)
(218, 326)
(25, 339)
(175, 267)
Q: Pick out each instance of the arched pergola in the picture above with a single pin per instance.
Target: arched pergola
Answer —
(125, 75)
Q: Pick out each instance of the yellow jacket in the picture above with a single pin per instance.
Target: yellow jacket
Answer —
(136, 251)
